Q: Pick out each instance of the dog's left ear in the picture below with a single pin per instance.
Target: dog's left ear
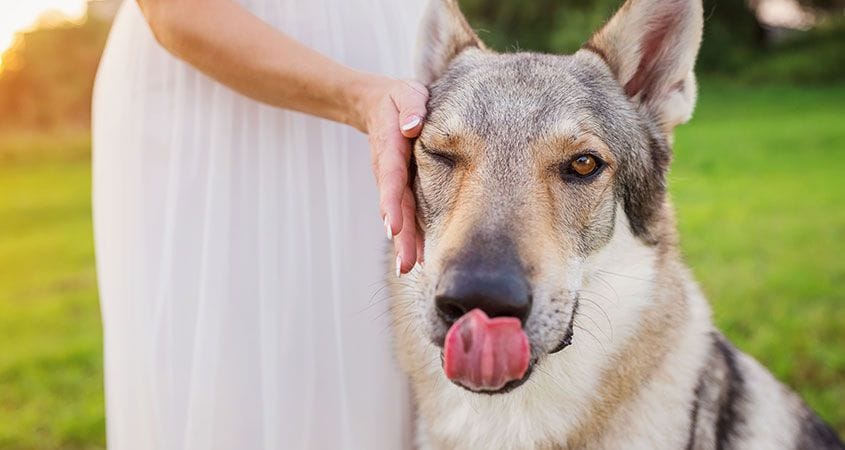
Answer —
(444, 34)
(651, 46)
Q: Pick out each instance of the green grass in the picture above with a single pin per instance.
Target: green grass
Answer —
(50, 335)
(760, 193)
(757, 182)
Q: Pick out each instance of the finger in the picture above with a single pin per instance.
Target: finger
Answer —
(417, 86)
(393, 153)
(406, 242)
(410, 99)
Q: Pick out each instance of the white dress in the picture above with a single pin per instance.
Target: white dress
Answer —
(240, 251)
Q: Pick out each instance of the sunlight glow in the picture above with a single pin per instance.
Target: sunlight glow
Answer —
(21, 15)
(785, 13)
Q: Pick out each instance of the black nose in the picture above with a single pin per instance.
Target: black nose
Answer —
(498, 291)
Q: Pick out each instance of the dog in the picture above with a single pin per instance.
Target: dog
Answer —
(553, 310)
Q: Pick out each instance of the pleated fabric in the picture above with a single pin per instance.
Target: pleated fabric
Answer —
(239, 248)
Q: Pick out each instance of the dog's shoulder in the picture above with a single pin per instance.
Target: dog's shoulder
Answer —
(739, 404)
(816, 434)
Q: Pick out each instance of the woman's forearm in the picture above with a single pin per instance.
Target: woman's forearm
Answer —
(226, 42)
(231, 45)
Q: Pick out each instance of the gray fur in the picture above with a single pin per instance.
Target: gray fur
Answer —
(515, 99)
(490, 180)
(716, 421)
(816, 434)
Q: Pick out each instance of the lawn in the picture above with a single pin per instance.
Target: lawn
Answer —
(757, 183)
(760, 193)
(50, 339)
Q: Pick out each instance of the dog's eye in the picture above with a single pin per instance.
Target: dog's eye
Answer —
(442, 158)
(584, 166)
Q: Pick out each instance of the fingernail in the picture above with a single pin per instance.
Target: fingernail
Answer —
(411, 123)
(387, 227)
(398, 266)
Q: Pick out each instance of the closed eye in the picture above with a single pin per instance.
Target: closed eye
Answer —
(441, 157)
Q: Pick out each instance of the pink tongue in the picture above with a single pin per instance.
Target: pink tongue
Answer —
(483, 354)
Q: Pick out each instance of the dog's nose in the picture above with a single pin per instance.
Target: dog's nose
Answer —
(496, 291)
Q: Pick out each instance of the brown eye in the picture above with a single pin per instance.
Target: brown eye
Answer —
(585, 165)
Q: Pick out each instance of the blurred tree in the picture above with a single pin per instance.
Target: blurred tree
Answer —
(49, 73)
(48, 76)
(562, 26)
(828, 6)
(540, 25)
(732, 35)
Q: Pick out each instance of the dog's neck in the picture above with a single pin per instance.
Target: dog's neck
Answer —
(651, 316)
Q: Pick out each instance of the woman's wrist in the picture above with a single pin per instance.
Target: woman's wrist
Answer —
(363, 92)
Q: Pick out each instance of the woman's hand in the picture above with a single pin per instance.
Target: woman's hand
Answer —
(228, 43)
(391, 112)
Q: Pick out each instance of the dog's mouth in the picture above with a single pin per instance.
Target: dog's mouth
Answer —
(490, 355)
(507, 387)
(486, 355)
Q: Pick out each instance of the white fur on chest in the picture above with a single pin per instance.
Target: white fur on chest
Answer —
(553, 402)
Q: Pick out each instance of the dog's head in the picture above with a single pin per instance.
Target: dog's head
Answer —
(525, 163)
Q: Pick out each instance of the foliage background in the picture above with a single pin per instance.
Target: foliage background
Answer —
(756, 181)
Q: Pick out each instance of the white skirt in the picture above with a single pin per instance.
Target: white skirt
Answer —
(240, 251)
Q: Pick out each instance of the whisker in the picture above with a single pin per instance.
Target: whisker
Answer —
(606, 283)
(602, 296)
(584, 314)
(603, 349)
(554, 378)
(378, 292)
(594, 304)
(623, 275)
(426, 365)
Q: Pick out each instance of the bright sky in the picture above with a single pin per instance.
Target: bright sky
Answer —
(19, 15)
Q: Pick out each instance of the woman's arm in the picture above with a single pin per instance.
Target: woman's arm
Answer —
(236, 48)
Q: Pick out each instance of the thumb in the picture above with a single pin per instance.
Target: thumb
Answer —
(410, 98)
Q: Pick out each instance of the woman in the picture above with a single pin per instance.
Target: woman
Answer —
(238, 243)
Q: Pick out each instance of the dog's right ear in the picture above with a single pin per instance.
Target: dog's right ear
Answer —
(444, 34)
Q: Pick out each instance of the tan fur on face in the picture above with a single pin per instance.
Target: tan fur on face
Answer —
(549, 206)
(579, 207)
(507, 193)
